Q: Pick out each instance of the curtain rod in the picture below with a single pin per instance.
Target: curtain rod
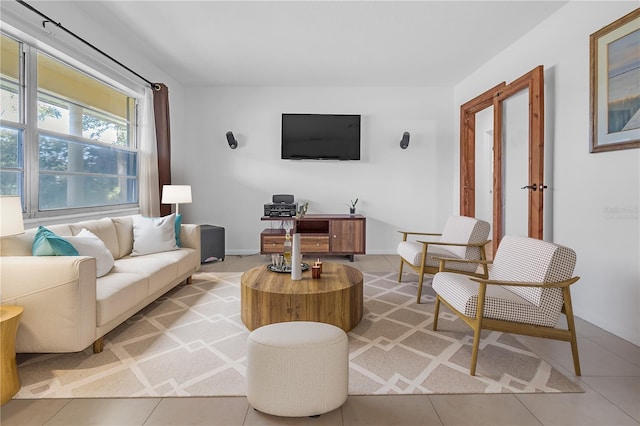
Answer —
(154, 86)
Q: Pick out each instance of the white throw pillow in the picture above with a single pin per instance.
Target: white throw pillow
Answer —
(153, 234)
(88, 244)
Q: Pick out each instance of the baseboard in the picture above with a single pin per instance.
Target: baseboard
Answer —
(241, 252)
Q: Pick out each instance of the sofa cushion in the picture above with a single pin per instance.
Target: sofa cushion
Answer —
(101, 228)
(47, 243)
(88, 244)
(465, 230)
(159, 271)
(411, 251)
(185, 259)
(162, 268)
(124, 232)
(500, 302)
(153, 235)
(116, 292)
(536, 261)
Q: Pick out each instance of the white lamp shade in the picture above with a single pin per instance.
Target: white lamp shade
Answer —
(11, 216)
(176, 194)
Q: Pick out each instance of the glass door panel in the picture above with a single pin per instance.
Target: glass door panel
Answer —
(515, 164)
(484, 165)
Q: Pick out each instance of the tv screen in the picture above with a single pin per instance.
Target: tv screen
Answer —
(321, 136)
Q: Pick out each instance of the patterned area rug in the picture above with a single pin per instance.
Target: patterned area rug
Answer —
(191, 342)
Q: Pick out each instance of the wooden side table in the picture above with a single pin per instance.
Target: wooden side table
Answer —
(9, 381)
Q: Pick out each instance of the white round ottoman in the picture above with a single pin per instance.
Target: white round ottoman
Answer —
(297, 368)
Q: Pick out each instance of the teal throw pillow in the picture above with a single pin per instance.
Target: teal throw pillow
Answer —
(178, 224)
(47, 243)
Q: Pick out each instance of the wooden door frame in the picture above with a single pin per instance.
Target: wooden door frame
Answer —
(533, 81)
(468, 113)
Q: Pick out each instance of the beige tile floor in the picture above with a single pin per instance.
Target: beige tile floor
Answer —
(611, 380)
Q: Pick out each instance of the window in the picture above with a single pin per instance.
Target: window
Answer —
(76, 149)
(11, 107)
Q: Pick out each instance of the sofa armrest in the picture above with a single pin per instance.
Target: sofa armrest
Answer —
(58, 294)
(190, 236)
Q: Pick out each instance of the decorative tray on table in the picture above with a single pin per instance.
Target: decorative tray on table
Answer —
(286, 269)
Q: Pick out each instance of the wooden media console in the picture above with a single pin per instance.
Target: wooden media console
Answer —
(329, 234)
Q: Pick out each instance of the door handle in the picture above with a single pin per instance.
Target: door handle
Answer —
(542, 187)
(532, 187)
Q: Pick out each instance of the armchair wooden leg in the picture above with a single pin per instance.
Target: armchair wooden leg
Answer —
(420, 280)
(572, 329)
(574, 352)
(436, 312)
(189, 279)
(477, 328)
(98, 345)
(400, 270)
(423, 262)
(474, 352)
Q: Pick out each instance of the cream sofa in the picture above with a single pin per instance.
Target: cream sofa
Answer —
(66, 308)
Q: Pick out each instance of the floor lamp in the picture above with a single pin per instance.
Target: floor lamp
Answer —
(176, 194)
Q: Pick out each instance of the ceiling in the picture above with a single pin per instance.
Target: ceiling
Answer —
(321, 43)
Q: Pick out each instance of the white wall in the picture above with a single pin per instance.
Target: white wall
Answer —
(397, 189)
(594, 197)
(88, 21)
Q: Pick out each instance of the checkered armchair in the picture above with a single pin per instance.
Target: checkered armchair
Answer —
(525, 293)
(462, 238)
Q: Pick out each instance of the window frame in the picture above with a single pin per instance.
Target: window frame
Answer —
(28, 115)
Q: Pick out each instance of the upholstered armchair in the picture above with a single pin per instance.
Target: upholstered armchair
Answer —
(526, 291)
(462, 238)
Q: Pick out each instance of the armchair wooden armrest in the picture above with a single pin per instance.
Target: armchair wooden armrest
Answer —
(443, 260)
(455, 259)
(407, 233)
(556, 284)
(479, 262)
(483, 262)
(419, 233)
(441, 243)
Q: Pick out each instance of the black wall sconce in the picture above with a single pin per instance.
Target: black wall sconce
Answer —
(404, 143)
(232, 141)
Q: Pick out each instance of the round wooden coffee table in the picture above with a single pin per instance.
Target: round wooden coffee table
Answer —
(269, 297)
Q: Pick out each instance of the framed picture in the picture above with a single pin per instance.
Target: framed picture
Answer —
(615, 85)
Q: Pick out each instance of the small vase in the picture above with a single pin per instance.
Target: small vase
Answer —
(352, 210)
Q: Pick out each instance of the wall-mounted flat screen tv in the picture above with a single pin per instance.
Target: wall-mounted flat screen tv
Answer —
(320, 137)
